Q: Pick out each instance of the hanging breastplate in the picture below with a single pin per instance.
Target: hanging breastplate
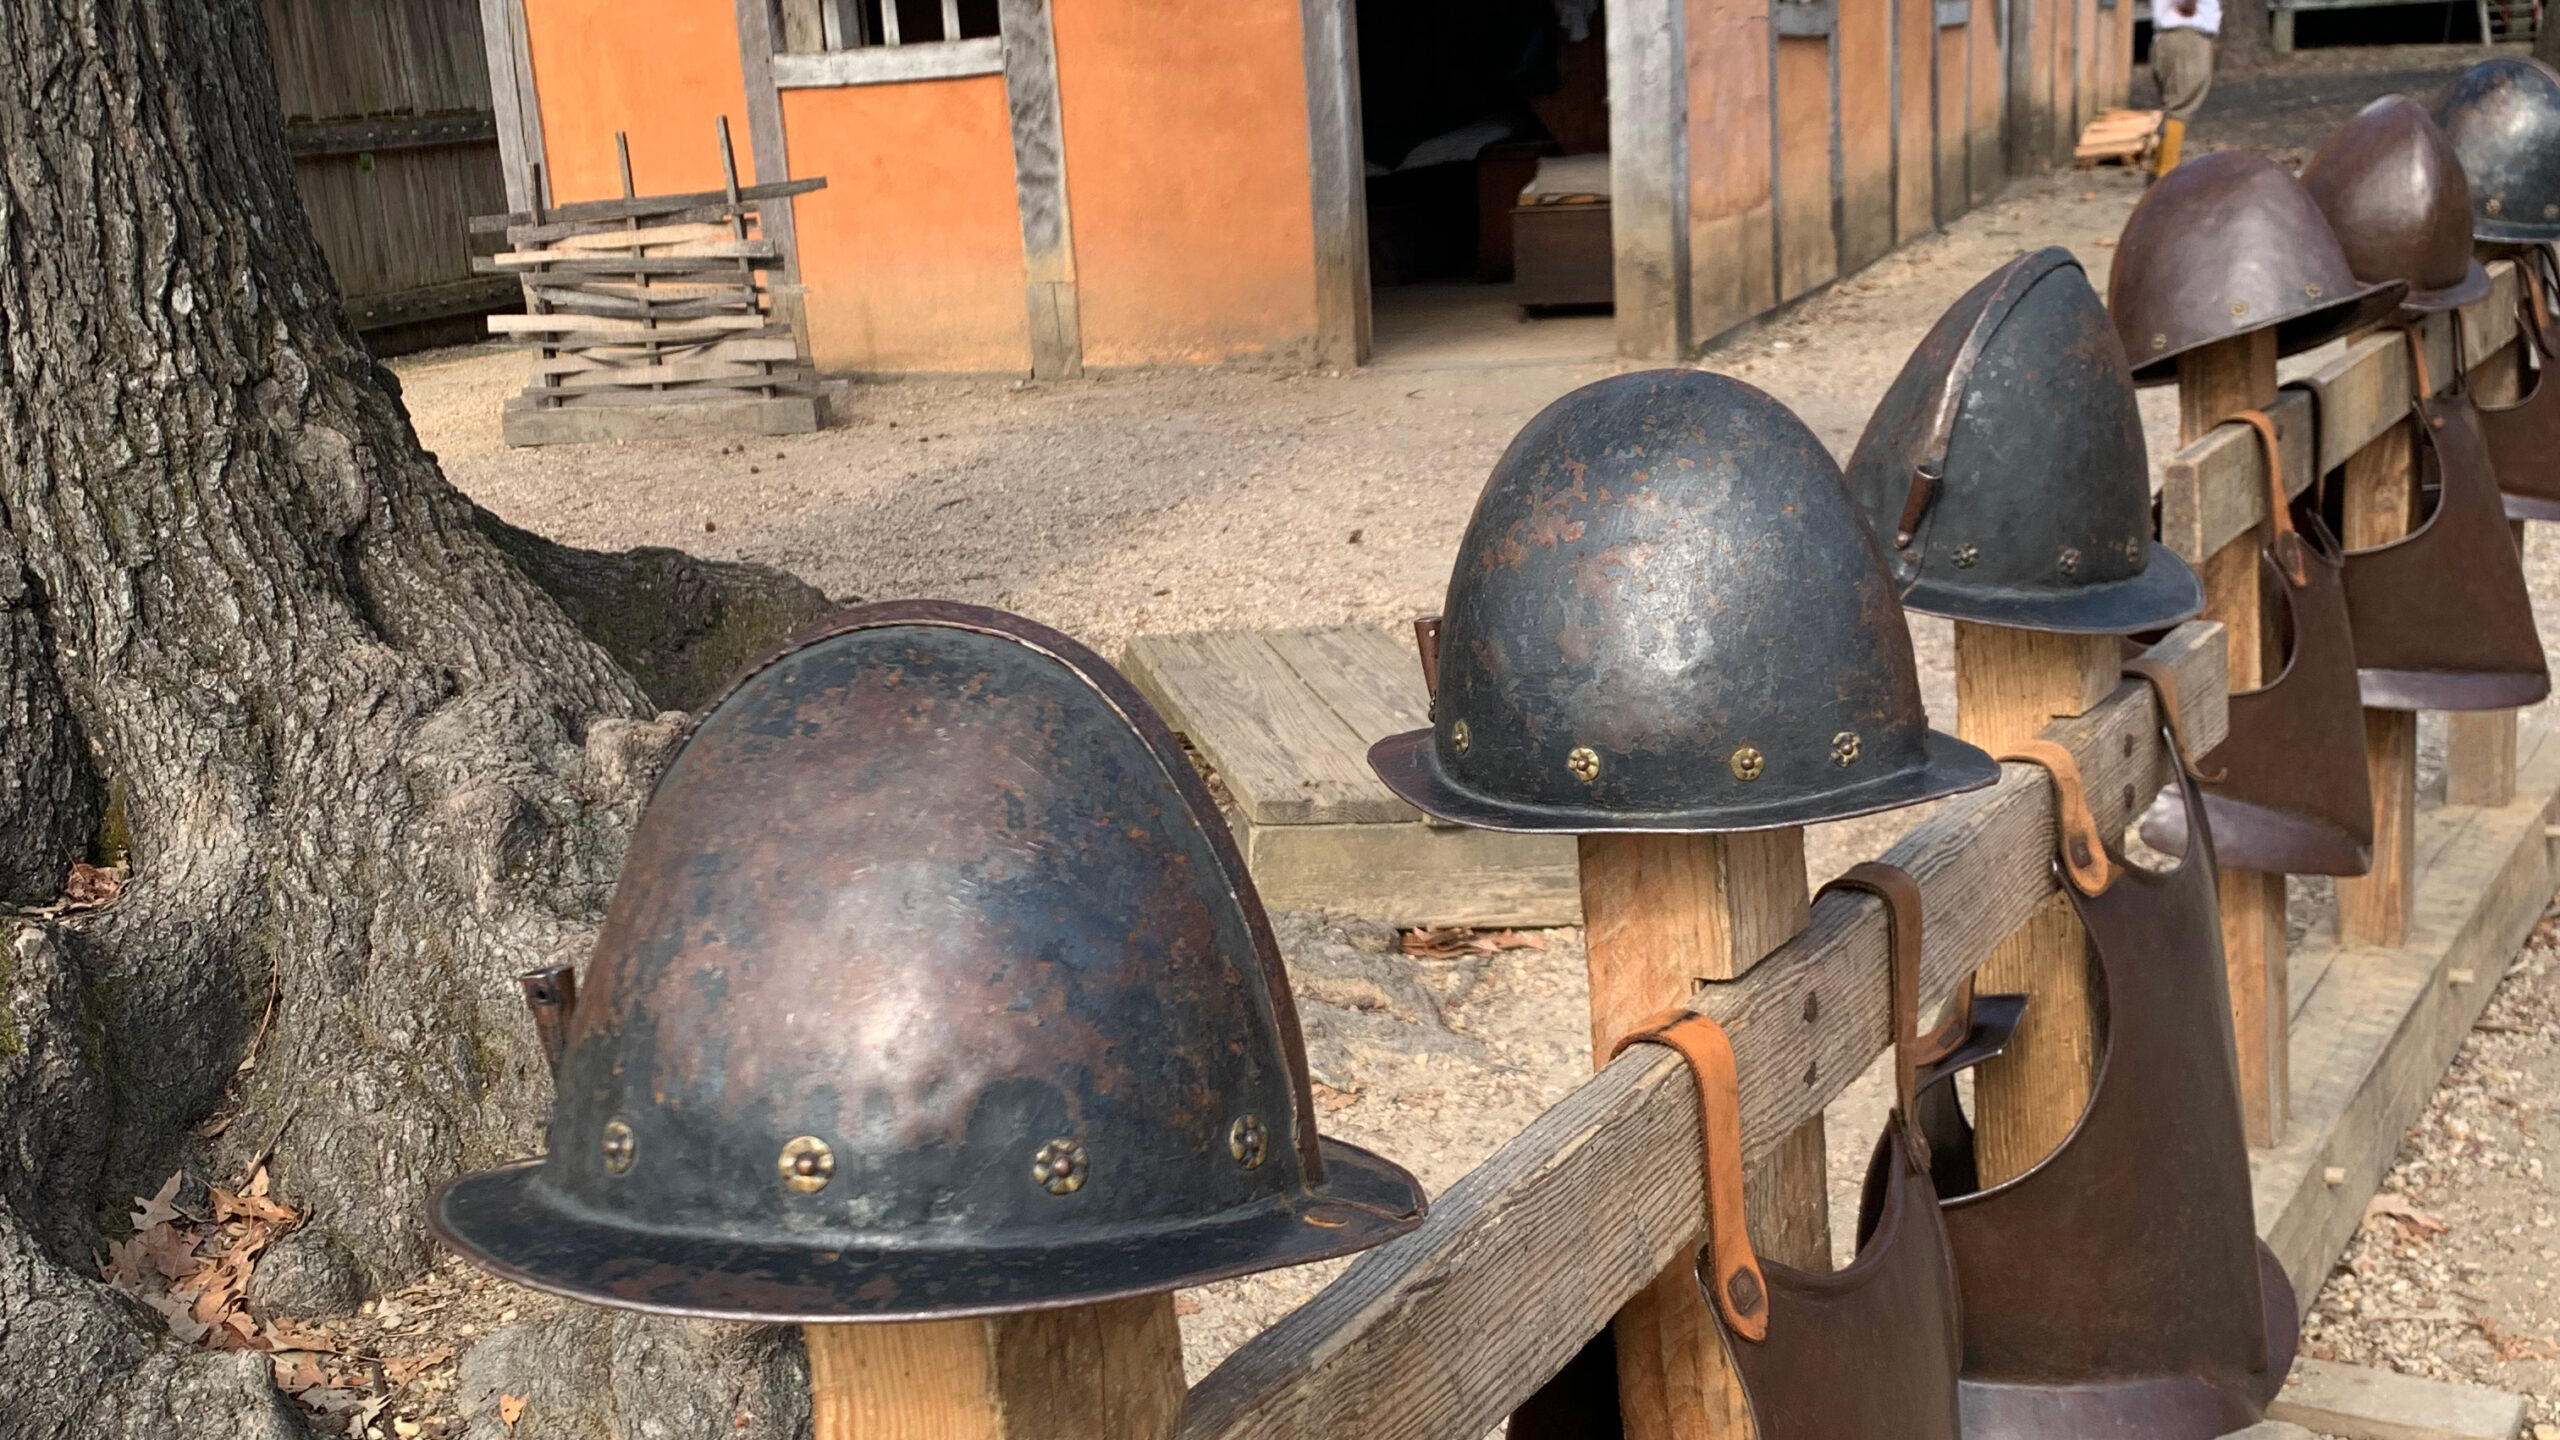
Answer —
(1869, 1352)
(2524, 438)
(2286, 790)
(2442, 618)
(2118, 1288)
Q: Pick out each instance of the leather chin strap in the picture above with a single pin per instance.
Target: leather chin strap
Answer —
(2164, 683)
(1741, 1295)
(1929, 472)
(2083, 852)
(1902, 907)
(1426, 645)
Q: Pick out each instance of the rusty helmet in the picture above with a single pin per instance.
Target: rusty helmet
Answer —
(2396, 198)
(933, 986)
(2225, 245)
(2503, 118)
(2005, 470)
(1668, 615)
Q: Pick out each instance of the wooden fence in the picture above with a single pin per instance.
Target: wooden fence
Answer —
(1439, 1335)
(395, 148)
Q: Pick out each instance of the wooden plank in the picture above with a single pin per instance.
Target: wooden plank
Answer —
(623, 357)
(770, 144)
(1337, 190)
(572, 331)
(1368, 677)
(604, 267)
(1284, 756)
(1649, 177)
(586, 213)
(662, 238)
(1443, 1332)
(2380, 505)
(1864, 120)
(1732, 215)
(1030, 64)
(2214, 490)
(638, 387)
(1808, 250)
(584, 425)
(1915, 110)
(890, 64)
(512, 100)
(1415, 874)
(2357, 1403)
(2373, 1037)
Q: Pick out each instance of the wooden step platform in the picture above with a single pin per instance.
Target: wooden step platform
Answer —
(1285, 719)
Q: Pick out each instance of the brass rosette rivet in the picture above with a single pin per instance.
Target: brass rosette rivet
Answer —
(2312, 289)
(1968, 556)
(1059, 1167)
(1844, 748)
(620, 1146)
(807, 1163)
(2159, 342)
(1458, 737)
(1584, 762)
(1248, 1141)
(2069, 560)
(2239, 308)
(1747, 762)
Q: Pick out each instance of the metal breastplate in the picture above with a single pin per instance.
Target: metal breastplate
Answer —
(2286, 791)
(2119, 1288)
(2524, 438)
(1868, 1352)
(2442, 618)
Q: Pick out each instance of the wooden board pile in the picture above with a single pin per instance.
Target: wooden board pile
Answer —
(2124, 136)
(652, 317)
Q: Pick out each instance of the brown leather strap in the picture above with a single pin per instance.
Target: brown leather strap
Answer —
(1930, 471)
(2535, 310)
(2283, 542)
(1739, 1292)
(2084, 854)
(1426, 642)
(1902, 907)
(2418, 360)
(2164, 683)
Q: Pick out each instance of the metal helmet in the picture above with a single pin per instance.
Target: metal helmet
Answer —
(933, 986)
(2397, 200)
(2005, 470)
(2503, 118)
(1668, 615)
(2225, 245)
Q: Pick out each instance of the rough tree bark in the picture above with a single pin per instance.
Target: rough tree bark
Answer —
(2546, 41)
(365, 767)
(2247, 41)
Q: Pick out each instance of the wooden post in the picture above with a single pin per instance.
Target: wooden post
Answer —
(1662, 915)
(2373, 908)
(2213, 385)
(2480, 745)
(1113, 1368)
(2010, 684)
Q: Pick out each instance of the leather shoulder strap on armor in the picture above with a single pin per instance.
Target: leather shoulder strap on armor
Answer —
(1902, 907)
(1740, 1294)
(2084, 853)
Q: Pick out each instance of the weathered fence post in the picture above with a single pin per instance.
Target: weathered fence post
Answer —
(2480, 745)
(1111, 1369)
(2214, 384)
(2010, 684)
(1660, 914)
(2373, 909)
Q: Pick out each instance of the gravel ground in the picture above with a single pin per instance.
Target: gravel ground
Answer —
(2455, 1274)
(1125, 504)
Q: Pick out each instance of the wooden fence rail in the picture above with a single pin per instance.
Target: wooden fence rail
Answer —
(1440, 1334)
(2215, 490)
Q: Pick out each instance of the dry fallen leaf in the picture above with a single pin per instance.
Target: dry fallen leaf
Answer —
(2412, 1220)
(405, 1368)
(2510, 1346)
(158, 1210)
(511, 1409)
(92, 885)
(1454, 941)
(297, 1371)
(1185, 1305)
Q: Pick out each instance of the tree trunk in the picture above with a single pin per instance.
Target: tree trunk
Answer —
(2247, 41)
(364, 767)
(2546, 40)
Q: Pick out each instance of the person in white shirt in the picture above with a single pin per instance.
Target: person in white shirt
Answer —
(2182, 36)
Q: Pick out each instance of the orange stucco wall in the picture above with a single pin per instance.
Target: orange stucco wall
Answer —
(912, 255)
(660, 71)
(1187, 181)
